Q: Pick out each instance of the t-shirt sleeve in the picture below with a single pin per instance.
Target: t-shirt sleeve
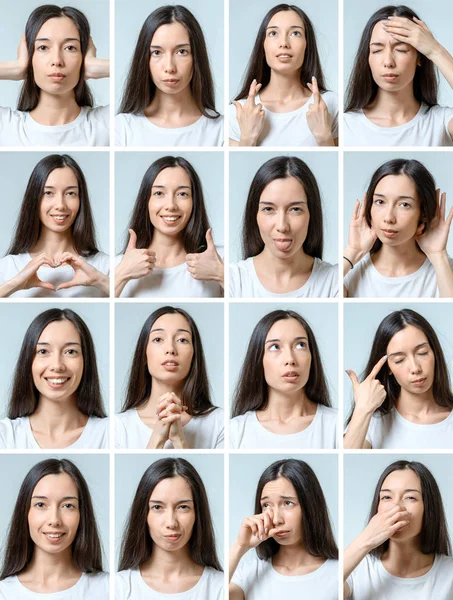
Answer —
(333, 110)
(235, 281)
(120, 130)
(235, 132)
(5, 116)
(242, 575)
(448, 116)
(350, 582)
(3, 435)
(219, 443)
(234, 433)
(120, 433)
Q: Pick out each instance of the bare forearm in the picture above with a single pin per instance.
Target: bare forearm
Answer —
(444, 274)
(355, 436)
(351, 256)
(11, 71)
(120, 282)
(236, 553)
(353, 555)
(444, 62)
(98, 68)
(103, 284)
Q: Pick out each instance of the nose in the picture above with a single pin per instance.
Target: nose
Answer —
(54, 517)
(414, 365)
(389, 216)
(57, 362)
(170, 63)
(56, 57)
(388, 56)
(288, 356)
(171, 520)
(278, 517)
(170, 347)
(282, 221)
(284, 42)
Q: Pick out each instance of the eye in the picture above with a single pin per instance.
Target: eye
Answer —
(296, 33)
(184, 507)
(274, 347)
(183, 52)
(265, 505)
(411, 498)
(157, 339)
(71, 48)
(41, 351)
(47, 193)
(158, 193)
(301, 345)
(403, 51)
(267, 209)
(69, 505)
(405, 205)
(183, 340)
(41, 47)
(296, 209)
(155, 507)
(72, 352)
(397, 362)
(184, 194)
(155, 52)
(376, 51)
(288, 503)
(423, 353)
(39, 505)
(272, 33)
(386, 498)
(72, 193)
(378, 201)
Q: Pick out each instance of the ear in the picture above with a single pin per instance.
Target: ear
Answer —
(420, 228)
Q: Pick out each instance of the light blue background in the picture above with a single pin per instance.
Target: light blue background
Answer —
(246, 469)
(437, 14)
(15, 318)
(129, 470)
(129, 18)
(245, 19)
(324, 165)
(361, 322)
(95, 470)
(130, 167)
(361, 474)
(129, 320)
(360, 166)
(322, 318)
(14, 18)
(15, 171)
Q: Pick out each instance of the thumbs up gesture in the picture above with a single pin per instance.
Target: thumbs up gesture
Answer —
(135, 263)
(370, 394)
(207, 265)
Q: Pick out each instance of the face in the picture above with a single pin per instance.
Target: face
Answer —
(395, 210)
(403, 488)
(392, 63)
(54, 516)
(60, 201)
(171, 514)
(57, 368)
(170, 204)
(171, 61)
(283, 217)
(411, 360)
(170, 349)
(280, 498)
(287, 356)
(57, 57)
(285, 43)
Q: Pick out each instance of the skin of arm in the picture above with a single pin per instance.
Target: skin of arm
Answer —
(95, 68)
(14, 70)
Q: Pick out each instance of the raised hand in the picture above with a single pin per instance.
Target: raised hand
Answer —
(170, 410)
(385, 524)
(136, 263)
(28, 278)
(413, 32)
(361, 236)
(207, 265)
(370, 394)
(256, 529)
(84, 273)
(318, 117)
(95, 68)
(434, 240)
(250, 117)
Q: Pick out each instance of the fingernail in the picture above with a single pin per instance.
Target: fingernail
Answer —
(254, 81)
(261, 537)
(347, 371)
(266, 530)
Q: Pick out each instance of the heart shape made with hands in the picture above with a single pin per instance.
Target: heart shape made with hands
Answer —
(55, 275)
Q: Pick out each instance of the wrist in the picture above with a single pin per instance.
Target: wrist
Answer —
(325, 139)
(353, 254)
(238, 550)
(248, 141)
(121, 277)
(179, 443)
(436, 52)
(437, 257)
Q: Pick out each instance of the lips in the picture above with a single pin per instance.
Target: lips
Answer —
(170, 81)
(56, 383)
(173, 538)
(59, 218)
(54, 537)
(390, 76)
(57, 76)
(283, 244)
(419, 382)
(389, 232)
(291, 376)
(170, 219)
(282, 534)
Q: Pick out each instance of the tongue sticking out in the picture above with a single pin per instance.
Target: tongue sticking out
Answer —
(282, 244)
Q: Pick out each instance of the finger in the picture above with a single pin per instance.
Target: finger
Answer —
(362, 206)
(449, 218)
(442, 204)
(353, 377)
(250, 523)
(260, 525)
(251, 95)
(315, 88)
(356, 210)
(132, 243)
(68, 284)
(170, 419)
(46, 285)
(377, 367)
(238, 106)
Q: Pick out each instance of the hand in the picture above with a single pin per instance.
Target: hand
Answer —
(22, 58)
(255, 530)
(361, 236)
(370, 394)
(434, 240)
(28, 278)
(169, 412)
(385, 524)
(207, 265)
(95, 68)
(136, 263)
(250, 116)
(84, 273)
(318, 117)
(413, 32)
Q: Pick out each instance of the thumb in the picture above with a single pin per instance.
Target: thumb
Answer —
(353, 377)
(238, 106)
(132, 240)
(209, 240)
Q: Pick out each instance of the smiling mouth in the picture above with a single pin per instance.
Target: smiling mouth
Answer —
(57, 382)
(54, 537)
(170, 220)
(59, 218)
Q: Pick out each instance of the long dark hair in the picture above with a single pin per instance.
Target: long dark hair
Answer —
(424, 184)
(86, 547)
(258, 68)
(194, 234)
(140, 89)
(317, 532)
(28, 226)
(137, 544)
(434, 538)
(390, 326)
(282, 167)
(25, 397)
(252, 390)
(29, 95)
(195, 394)
(362, 89)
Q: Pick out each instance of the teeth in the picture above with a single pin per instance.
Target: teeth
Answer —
(170, 218)
(57, 381)
(54, 535)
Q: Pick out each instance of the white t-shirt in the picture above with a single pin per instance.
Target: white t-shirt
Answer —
(371, 581)
(137, 130)
(88, 587)
(174, 282)
(12, 264)
(200, 432)
(429, 127)
(394, 431)
(246, 432)
(322, 282)
(16, 434)
(130, 585)
(260, 581)
(90, 128)
(287, 128)
(365, 281)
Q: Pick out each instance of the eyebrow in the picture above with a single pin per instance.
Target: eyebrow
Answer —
(67, 344)
(300, 337)
(161, 329)
(177, 46)
(65, 40)
(185, 501)
(398, 197)
(69, 187)
(291, 203)
(282, 497)
(396, 43)
(46, 498)
(416, 348)
(291, 27)
(407, 490)
(178, 188)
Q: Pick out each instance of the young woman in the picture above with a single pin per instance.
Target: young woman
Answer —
(296, 554)
(53, 548)
(168, 98)
(55, 58)
(170, 252)
(53, 252)
(282, 399)
(294, 107)
(404, 552)
(391, 98)
(398, 236)
(56, 399)
(168, 402)
(282, 236)
(168, 548)
(405, 398)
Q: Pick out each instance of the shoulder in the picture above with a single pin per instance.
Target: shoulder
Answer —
(14, 261)
(128, 119)
(331, 99)
(126, 417)
(353, 116)
(359, 269)
(123, 581)
(8, 115)
(214, 575)
(445, 564)
(325, 269)
(328, 413)
(215, 416)
(98, 580)
(100, 423)
(100, 260)
(99, 114)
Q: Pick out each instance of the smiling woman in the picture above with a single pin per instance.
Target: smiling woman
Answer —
(55, 57)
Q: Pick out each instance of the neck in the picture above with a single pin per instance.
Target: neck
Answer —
(47, 567)
(292, 557)
(169, 564)
(395, 104)
(406, 557)
(56, 109)
(285, 87)
(282, 406)
(53, 242)
(416, 404)
(403, 255)
(291, 266)
(168, 246)
(173, 105)
(159, 388)
(55, 418)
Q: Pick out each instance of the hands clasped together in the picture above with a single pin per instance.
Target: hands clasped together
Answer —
(171, 418)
